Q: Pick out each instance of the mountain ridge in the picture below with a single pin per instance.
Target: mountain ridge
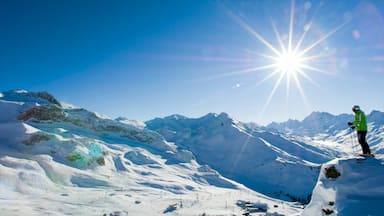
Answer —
(322, 122)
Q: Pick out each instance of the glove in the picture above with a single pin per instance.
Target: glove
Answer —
(353, 127)
(350, 123)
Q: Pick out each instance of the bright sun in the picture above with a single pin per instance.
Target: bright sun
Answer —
(289, 63)
(290, 59)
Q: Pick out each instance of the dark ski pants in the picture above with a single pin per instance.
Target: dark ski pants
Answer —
(361, 136)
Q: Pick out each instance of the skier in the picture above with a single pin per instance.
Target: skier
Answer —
(360, 123)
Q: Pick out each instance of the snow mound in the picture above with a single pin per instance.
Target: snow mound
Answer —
(348, 186)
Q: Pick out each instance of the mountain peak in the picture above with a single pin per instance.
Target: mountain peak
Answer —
(376, 116)
(20, 95)
(176, 117)
(18, 91)
(315, 123)
(127, 121)
(221, 116)
(317, 115)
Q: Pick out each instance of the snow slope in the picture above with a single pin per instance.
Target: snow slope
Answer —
(57, 159)
(357, 190)
(264, 161)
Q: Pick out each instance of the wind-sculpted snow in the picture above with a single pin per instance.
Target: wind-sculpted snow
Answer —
(263, 161)
(139, 157)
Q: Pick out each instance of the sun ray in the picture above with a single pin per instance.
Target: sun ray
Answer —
(242, 148)
(315, 57)
(287, 86)
(254, 33)
(301, 90)
(270, 75)
(306, 76)
(277, 34)
(308, 67)
(290, 35)
(244, 71)
(277, 84)
(307, 28)
(326, 36)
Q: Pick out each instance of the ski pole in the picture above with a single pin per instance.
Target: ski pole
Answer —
(357, 144)
(353, 142)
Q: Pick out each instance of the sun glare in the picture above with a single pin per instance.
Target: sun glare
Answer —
(289, 63)
(289, 58)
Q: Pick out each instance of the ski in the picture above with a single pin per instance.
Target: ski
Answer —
(367, 155)
(362, 157)
(358, 159)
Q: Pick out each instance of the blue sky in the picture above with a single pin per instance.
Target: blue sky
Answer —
(146, 59)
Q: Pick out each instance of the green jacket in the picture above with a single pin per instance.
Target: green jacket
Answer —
(360, 121)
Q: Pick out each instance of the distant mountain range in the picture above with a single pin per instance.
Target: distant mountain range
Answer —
(324, 123)
(322, 126)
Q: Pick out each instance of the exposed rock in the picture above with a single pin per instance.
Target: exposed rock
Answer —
(75, 157)
(327, 211)
(101, 161)
(35, 138)
(331, 172)
(46, 96)
(43, 113)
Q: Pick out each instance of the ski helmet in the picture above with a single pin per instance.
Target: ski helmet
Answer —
(355, 108)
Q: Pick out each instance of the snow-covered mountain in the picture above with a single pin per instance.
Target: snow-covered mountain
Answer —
(56, 159)
(266, 162)
(314, 124)
(325, 127)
